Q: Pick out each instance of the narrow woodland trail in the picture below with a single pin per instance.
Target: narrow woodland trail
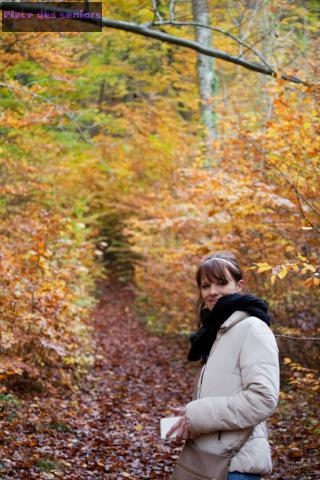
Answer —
(109, 429)
(137, 377)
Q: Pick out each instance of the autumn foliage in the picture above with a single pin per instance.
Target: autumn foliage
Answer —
(104, 170)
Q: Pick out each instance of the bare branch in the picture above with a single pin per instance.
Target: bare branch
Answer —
(303, 213)
(156, 10)
(293, 187)
(315, 339)
(163, 37)
(256, 42)
(171, 9)
(215, 29)
(252, 19)
(61, 110)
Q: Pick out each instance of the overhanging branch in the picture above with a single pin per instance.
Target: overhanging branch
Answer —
(163, 37)
(214, 29)
(183, 42)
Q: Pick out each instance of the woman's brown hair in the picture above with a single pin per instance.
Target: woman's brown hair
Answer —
(214, 269)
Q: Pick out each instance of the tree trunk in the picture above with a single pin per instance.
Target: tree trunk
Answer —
(207, 80)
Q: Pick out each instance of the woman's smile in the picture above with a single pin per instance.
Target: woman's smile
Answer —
(213, 301)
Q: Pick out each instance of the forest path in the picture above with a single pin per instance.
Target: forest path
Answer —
(110, 428)
(137, 376)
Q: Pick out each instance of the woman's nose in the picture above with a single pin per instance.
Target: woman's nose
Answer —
(213, 289)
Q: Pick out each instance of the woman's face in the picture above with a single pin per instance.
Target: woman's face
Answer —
(212, 291)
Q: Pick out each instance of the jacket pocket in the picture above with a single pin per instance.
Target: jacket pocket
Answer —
(232, 439)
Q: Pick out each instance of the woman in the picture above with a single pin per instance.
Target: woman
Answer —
(238, 386)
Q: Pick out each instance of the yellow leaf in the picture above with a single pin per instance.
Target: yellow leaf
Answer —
(283, 273)
(264, 268)
(138, 427)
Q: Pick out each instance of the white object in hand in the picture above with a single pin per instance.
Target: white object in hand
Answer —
(165, 425)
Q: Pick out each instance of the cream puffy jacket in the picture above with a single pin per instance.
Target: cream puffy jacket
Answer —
(237, 388)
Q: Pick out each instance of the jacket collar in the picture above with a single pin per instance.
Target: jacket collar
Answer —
(236, 317)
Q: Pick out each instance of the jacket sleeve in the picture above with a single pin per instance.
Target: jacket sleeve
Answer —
(259, 366)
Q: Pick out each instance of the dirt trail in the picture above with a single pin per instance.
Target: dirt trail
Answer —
(137, 376)
(109, 429)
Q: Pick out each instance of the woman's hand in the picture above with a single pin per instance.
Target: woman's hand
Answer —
(181, 426)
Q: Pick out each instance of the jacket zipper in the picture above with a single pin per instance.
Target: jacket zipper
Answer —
(219, 432)
(203, 369)
(215, 346)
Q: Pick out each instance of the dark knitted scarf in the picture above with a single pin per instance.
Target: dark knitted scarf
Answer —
(202, 340)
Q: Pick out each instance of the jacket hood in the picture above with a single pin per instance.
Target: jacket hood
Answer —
(236, 317)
